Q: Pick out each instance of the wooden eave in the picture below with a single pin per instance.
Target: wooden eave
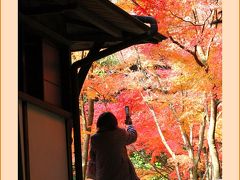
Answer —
(80, 24)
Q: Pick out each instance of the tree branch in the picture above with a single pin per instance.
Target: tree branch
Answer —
(201, 139)
(195, 16)
(181, 46)
(193, 53)
(184, 20)
(137, 4)
(83, 115)
(209, 47)
(205, 21)
(184, 135)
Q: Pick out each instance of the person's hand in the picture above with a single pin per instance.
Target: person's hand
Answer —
(128, 120)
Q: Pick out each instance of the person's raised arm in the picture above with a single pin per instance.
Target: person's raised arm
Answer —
(131, 132)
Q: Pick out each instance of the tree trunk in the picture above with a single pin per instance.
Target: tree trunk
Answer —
(211, 141)
(187, 140)
(194, 169)
(188, 143)
(85, 154)
(165, 142)
(206, 174)
(87, 128)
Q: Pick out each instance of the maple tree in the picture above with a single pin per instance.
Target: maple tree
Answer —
(105, 94)
(156, 92)
(173, 89)
(123, 86)
(193, 29)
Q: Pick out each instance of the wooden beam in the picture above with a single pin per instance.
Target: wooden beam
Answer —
(44, 30)
(47, 8)
(95, 37)
(89, 17)
(42, 104)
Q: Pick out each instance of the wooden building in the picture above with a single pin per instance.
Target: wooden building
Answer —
(49, 84)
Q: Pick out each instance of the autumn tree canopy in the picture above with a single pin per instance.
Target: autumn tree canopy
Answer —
(173, 89)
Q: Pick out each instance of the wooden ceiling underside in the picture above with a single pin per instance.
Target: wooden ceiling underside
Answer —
(81, 23)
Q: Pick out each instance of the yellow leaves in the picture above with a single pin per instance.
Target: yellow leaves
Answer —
(180, 160)
(83, 132)
(189, 119)
(193, 78)
(88, 132)
(91, 94)
(127, 5)
(78, 55)
(103, 87)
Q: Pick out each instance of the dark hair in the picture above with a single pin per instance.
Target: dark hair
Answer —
(107, 121)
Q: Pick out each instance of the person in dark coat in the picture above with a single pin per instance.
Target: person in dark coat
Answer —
(108, 154)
